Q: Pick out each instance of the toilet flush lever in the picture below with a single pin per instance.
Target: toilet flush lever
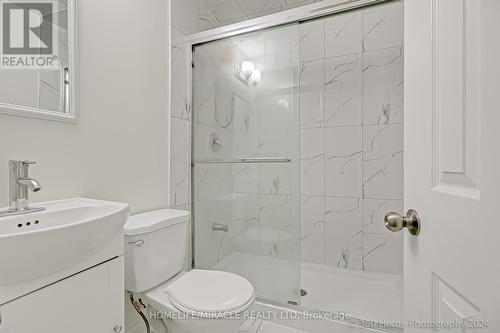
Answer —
(139, 243)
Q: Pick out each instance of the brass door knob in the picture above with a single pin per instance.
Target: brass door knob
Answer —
(395, 222)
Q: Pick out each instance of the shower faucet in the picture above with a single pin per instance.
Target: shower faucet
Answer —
(20, 184)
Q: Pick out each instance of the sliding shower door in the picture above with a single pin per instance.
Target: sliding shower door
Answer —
(246, 167)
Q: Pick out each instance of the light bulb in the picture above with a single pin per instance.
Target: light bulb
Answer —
(247, 68)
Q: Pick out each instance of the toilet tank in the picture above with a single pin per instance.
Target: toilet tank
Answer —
(155, 247)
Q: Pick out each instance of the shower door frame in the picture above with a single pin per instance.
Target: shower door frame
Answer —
(295, 15)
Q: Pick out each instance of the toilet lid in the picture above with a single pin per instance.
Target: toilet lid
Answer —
(210, 291)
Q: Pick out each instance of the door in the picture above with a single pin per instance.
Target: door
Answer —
(452, 164)
(246, 166)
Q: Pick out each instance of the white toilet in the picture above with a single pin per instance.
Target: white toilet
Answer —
(190, 302)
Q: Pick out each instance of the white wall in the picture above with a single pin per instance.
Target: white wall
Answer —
(119, 150)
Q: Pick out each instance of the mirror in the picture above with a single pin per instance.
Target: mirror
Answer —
(38, 68)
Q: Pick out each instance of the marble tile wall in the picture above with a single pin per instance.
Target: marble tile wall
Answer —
(193, 16)
(351, 105)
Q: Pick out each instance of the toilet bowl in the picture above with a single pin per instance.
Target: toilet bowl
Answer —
(195, 301)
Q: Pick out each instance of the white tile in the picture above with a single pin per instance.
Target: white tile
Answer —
(312, 152)
(343, 91)
(180, 171)
(343, 232)
(343, 161)
(383, 86)
(256, 7)
(180, 104)
(383, 161)
(382, 249)
(275, 179)
(312, 240)
(246, 178)
(274, 112)
(383, 26)
(312, 41)
(224, 11)
(343, 34)
(312, 94)
(276, 227)
(277, 143)
(243, 116)
(312, 142)
(245, 220)
(245, 144)
(185, 18)
(313, 175)
(213, 182)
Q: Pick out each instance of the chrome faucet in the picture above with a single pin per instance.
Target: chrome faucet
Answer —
(20, 184)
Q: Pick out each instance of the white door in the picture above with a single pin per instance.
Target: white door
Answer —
(452, 163)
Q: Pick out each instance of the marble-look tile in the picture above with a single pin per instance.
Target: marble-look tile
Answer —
(274, 112)
(383, 86)
(180, 170)
(275, 178)
(343, 91)
(245, 144)
(245, 223)
(246, 178)
(204, 104)
(383, 26)
(276, 227)
(312, 40)
(277, 143)
(258, 7)
(383, 161)
(343, 232)
(312, 222)
(185, 15)
(214, 182)
(242, 117)
(343, 34)
(382, 249)
(312, 160)
(224, 11)
(343, 161)
(312, 79)
(180, 105)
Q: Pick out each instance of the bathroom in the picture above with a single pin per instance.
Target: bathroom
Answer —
(297, 166)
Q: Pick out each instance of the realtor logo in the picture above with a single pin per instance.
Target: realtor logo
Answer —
(28, 34)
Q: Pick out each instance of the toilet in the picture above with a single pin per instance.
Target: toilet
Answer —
(192, 301)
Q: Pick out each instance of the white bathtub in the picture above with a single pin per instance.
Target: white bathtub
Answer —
(366, 296)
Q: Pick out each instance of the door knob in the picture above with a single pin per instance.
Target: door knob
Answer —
(395, 222)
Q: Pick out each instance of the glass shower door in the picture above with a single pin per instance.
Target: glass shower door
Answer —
(246, 168)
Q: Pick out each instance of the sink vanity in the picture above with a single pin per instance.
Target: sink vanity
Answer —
(61, 268)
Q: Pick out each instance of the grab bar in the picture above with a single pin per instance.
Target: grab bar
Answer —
(244, 160)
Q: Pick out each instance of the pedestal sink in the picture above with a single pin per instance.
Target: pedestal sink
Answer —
(68, 237)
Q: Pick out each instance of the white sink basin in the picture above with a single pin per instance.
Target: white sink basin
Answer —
(71, 235)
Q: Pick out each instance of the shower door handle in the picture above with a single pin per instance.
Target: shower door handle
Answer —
(395, 222)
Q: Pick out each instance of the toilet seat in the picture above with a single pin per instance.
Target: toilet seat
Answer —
(210, 294)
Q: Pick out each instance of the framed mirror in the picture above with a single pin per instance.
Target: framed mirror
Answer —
(38, 67)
